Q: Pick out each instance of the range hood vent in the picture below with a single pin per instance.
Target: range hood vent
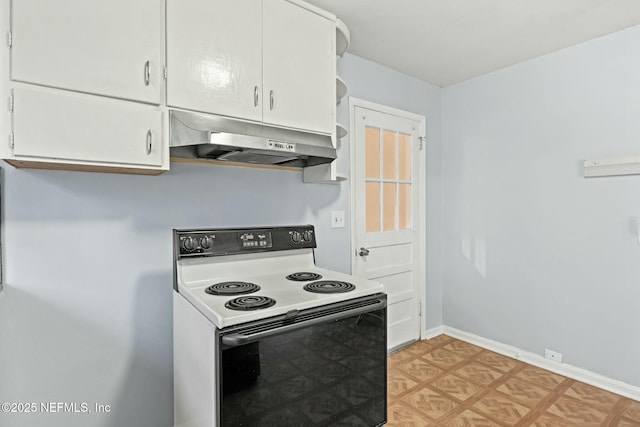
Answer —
(205, 136)
(255, 156)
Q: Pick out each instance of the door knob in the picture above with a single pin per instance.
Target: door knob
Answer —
(363, 252)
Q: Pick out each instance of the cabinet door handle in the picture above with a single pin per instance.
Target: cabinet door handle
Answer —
(255, 96)
(147, 73)
(271, 100)
(149, 141)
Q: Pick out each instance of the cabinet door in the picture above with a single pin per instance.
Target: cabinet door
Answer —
(61, 125)
(299, 67)
(214, 56)
(105, 47)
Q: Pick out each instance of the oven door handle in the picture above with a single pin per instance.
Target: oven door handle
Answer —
(235, 340)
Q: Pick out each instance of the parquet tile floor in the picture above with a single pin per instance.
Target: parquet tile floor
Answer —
(450, 383)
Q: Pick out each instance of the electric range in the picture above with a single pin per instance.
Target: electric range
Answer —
(262, 336)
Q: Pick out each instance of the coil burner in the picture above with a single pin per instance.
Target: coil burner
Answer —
(232, 288)
(303, 276)
(329, 287)
(248, 303)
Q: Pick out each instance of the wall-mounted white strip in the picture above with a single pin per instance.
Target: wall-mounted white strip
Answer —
(612, 167)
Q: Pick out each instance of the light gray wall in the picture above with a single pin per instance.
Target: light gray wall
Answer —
(86, 312)
(535, 255)
(85, 315)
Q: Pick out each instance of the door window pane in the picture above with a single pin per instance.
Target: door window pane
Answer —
(372, 206)
(404, 157)
(388, 155)
(388, 180)
(389, 206)
(404, 206)
(372, 153)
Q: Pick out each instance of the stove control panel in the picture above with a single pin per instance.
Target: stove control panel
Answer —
(260, 239)
(218, 242)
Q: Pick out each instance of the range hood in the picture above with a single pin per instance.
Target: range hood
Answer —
(205, 136)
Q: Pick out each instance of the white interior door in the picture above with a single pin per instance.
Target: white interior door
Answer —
(386, 214)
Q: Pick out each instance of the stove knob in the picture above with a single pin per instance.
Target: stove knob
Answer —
(307, 236)
(188, 244)
(206, 242)
(296, 237)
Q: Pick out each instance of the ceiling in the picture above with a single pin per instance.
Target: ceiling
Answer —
(447, 41)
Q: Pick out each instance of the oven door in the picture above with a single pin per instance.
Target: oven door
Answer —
(318, 367)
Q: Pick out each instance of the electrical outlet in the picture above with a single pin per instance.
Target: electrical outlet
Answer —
(553, 355)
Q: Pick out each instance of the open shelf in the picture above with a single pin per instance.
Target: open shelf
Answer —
(343, 37)
(322, 174)
(341, 89)
(341, 131)
(327, 173)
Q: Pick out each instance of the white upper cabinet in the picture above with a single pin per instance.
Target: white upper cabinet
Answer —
(57, 127)
(269, 61)
(104, 47)
(299, 67)
(214, 56)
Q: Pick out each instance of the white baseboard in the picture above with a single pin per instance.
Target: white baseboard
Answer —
(570, 371)
(432, 333)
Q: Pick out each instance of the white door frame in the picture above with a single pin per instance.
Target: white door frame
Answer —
(421, 271)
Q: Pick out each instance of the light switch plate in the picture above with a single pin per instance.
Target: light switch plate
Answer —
(337, 219)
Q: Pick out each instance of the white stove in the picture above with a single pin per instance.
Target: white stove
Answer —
(269, 271)
(262, 336)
